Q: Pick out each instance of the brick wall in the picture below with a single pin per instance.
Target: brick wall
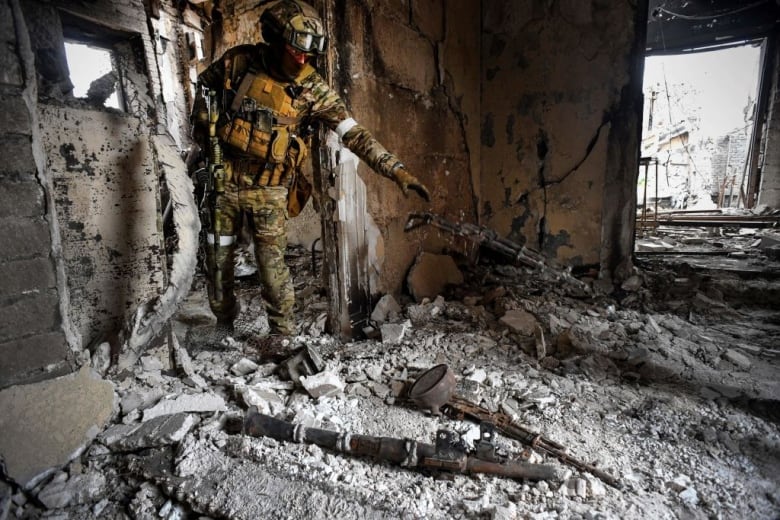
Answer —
(32, 341)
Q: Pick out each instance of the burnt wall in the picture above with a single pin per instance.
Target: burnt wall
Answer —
(561, 109)
(409, 70)
(33, 339)
(104, 184)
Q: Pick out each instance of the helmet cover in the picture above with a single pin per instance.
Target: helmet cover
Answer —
(296, 23)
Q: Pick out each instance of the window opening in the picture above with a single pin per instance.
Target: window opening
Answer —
(93, 74)
(699, 114)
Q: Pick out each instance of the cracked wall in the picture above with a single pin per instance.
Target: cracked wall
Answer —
(413, 79)
(555, 81)
(104, 186)
(409, 71)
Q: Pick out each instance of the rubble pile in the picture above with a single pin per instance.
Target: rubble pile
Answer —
(670, 383)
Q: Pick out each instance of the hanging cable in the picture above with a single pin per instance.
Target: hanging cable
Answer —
(662, 9)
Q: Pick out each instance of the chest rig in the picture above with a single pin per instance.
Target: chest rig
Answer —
(261, 127)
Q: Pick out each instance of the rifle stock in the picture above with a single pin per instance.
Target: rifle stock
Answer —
(489, 239)
(217, 184)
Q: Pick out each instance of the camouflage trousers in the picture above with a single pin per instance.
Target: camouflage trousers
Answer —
(265, 209)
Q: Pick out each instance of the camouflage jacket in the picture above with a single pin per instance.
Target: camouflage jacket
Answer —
(313, 101)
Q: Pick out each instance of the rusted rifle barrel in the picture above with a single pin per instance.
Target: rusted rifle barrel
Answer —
(404, 452)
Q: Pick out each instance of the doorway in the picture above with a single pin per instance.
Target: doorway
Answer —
(698, 121)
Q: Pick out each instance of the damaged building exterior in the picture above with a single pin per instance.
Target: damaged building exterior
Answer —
(524, 119)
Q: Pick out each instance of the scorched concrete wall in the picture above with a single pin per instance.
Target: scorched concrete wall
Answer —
(409, 70)
(558, 112)
(107, 196)
(106, 191)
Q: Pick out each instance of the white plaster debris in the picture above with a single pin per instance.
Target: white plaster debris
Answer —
(204, 402)
(243, 367)
(620, 387)
(386, 309)
(62, 491)
(322, 384)
(393, 333)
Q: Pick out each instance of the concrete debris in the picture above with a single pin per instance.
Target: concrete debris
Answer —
(204, 402)
(140, 399)
(266, 401)
(62, 491)
(243, 367)
(739, 359)
(323, 384)
(520, 321)
(674, 395)
(393, 333)
(386, 309)
(101, 358)
(77, 407)
(431, 274)
(154, 433)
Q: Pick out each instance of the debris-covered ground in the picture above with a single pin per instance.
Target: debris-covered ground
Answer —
(670, 383)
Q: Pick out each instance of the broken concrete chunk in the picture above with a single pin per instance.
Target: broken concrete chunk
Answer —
(267, 401)
(575, 487)
(79, 489)
(205, 402)
(385, 309)
(374, 372)
(322, 384)
(141, 399)
(690, 496)
(431, 274)
(541, 345)
(632, 284)
(154, 433)
(393, 333)
(151, 364)
(183, 364)
(520, 321)
(243, 367)
(596, 488)
(45, 425)
(679, 483)
(739, 359)
(380, 390)
(101, 358)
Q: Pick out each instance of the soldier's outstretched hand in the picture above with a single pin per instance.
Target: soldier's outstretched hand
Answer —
(407, 181)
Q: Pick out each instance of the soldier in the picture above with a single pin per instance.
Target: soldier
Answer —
(267, 94)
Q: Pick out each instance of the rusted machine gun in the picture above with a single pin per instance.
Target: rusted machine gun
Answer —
(434, 390)
(448, 454)
(484, 237)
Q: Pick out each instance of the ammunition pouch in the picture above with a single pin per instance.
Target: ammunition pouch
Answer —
(249, 133)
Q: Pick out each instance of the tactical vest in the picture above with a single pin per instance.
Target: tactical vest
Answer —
(262, 124)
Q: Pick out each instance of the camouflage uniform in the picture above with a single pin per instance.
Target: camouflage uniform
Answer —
(255, 184)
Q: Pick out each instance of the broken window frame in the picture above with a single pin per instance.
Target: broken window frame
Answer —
(114, 68)
(125, 48)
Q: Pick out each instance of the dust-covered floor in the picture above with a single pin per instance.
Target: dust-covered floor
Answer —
(669, 383)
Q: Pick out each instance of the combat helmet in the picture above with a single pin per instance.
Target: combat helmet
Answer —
(296, 23)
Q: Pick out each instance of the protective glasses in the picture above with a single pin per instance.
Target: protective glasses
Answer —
(306, 41)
